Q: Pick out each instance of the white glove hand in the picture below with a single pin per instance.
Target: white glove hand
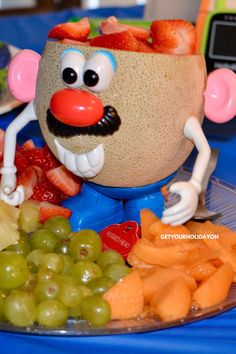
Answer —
(185, 209)
(8, 191)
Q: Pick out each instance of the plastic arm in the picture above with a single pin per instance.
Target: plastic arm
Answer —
(8, 171)
(189, 191)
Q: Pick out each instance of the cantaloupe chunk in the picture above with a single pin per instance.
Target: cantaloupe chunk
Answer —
(147, 218)
(214, 290)
(136, 262)
(201, 271)
(126, 297)
(174, 234)
(164, 256)
(201, 254)
(225, 254)
(173, 301)
(227, 237)
(159, 278)
(196, 227)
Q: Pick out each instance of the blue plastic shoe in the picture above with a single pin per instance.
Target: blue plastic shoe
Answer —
(92, 210)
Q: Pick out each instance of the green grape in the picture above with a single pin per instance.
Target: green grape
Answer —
(108, 257)
(116, 271)
(30, 283)
(85, 245)
(13, 270)
(35, 257)
(68, 264)
(85, 290)
(21, 247)
(95, 310)
(46, 290)
(44, 240)
(52, 261)
(20, 309)
(62, 246)
(100, 285)
(45, 274)
(29, 216)
(32, 267)
(75, 311)
(65, 279)
(85, 271)
(3, 296)
(71, 295)
(60, 226)
(52, 313)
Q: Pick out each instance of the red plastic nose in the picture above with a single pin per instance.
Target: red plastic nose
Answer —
(76, 107)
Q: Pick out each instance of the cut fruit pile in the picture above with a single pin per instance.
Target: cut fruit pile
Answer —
(44, 179)
(69, 272)
(180, 273)
(163, 36)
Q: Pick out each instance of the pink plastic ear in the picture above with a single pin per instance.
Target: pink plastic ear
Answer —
(220, 96)
(22, 75)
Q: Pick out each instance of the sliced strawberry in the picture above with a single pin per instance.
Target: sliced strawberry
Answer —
(64, 180)
(173, 37)
(29, 178)
(28, 145)
(71, 30)
(73, 42)
(21, 160)
(48, 210)
(146, 47)
(2, 138)
(123, 41)
(45, 191)
(112, 25)
(42, 157)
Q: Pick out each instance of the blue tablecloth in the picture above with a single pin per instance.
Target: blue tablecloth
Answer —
(215, 335)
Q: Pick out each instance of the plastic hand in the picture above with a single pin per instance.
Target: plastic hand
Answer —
(8, 191)
(184, 210)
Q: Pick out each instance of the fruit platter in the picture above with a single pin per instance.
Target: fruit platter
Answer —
(7, 101)
(148, 271)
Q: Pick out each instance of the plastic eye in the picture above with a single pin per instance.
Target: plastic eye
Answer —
(72, 67)
(99, 71)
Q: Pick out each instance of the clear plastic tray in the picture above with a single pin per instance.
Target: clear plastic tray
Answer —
(220, 197)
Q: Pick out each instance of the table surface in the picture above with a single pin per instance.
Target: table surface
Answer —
(214, 335)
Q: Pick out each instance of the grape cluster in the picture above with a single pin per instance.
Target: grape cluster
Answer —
(54, 273)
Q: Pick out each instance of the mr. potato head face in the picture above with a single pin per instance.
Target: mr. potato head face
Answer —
(117, 117)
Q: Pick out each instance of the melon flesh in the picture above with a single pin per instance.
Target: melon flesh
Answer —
(173, 301)
(214, 289)
(125, 297)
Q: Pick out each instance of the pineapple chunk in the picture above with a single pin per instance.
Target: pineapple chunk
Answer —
(9, 213)
(8, 225)
(8, 234)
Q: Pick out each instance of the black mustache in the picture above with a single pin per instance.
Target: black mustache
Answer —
(107, 125)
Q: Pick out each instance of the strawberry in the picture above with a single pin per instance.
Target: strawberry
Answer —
(123, 41)
(146, 47)
(29, 178)
(112, 25)
(2, 137)
(73, 42)
(48, 210)
(71, 30)
(28, 145)
(45, 191)
(21, 160)
(173, 37)
(42, 157)
(64, 180)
